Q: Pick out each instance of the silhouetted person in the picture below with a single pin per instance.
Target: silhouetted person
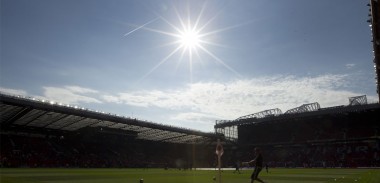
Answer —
(258, 162)
(237, 167)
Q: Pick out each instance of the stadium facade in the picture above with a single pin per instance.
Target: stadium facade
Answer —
(41, 133)
(310, 136)
(374, 13)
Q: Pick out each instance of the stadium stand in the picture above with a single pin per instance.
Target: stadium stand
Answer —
(26, 113)
(343, 136)
(39, 133)
(374, 13)
(42, 134)
(96, 151)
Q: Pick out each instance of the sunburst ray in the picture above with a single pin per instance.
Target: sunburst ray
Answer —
(191, 38)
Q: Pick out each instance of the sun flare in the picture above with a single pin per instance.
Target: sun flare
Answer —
(190, 39)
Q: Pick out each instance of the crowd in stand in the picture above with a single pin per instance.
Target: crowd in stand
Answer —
(24, 151)
(326, 156)
(351, 141)
(112, 151)
(326, 141)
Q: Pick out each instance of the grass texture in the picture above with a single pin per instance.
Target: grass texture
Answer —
(277, 175)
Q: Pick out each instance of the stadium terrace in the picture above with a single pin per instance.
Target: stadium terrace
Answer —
(306, 136)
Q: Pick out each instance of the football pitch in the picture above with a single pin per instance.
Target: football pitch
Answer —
(277, 175)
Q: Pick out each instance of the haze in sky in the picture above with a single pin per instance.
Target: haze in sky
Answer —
(187, 63)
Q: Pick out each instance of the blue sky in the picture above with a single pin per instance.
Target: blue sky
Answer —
(133, 58)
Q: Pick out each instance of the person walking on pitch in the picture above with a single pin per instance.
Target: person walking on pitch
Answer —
(258, 162)
(237, 167)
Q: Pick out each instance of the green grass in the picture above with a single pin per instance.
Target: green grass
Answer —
(56, 175)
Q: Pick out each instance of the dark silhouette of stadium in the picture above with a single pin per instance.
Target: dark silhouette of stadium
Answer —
(39, 133)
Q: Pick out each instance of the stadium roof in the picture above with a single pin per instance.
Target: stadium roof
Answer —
(19, 112)
(299, 112)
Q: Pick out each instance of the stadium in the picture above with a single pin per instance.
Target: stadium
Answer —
(46, 141)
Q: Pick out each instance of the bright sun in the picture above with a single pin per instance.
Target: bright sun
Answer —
(189, 39)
